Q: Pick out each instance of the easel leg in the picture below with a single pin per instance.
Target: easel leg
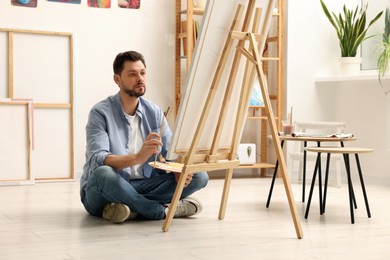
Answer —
(290, 197)
(275, 137)
(225, 194)
(175, 201)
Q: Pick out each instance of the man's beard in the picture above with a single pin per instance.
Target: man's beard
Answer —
(133, 93)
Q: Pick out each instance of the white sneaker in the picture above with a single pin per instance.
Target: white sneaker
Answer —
(186, 207)
(118, 212)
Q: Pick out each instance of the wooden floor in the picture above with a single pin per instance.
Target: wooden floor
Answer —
(47, 221)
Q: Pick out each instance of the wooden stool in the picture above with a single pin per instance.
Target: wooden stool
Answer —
(345, 151)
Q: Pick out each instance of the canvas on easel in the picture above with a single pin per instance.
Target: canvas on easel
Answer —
(211, 116)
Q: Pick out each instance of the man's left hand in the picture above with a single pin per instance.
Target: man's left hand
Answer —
(188, 180)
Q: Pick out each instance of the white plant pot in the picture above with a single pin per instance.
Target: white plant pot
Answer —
(350, 65)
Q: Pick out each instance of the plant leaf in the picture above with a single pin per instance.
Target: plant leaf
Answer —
(351, 27)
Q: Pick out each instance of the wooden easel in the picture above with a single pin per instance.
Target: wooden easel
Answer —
(217, 158)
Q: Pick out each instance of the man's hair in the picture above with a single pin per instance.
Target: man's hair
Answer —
(126, 56)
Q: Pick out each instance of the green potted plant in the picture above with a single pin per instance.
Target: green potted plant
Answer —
(351, 28)
(383, 48)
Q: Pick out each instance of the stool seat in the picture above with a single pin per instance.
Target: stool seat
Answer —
(344, 150)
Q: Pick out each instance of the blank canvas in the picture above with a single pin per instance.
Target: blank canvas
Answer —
(14, 140)
(215, 27)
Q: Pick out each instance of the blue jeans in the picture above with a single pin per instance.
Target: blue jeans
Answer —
(145, 196)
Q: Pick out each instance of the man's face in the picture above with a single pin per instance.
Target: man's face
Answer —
(132, 80)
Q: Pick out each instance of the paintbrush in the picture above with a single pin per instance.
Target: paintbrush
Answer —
(161, 131)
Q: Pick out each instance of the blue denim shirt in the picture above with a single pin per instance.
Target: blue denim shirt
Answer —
(107, 132)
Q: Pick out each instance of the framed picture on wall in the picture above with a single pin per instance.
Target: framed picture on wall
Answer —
(99, 3)
(130, 4)
(24, 3)
(66, 1)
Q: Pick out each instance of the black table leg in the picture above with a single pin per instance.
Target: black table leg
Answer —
(346, 157)
(304, 171)
(272, 184)
(312, 185)
(348, 169)
(320, 180)
(362, 184)
(326, 181)
(273, 179)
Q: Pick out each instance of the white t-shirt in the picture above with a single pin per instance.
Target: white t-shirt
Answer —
(134, 145)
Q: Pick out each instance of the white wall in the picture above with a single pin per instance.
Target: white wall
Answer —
(313, 52)
(99, 34)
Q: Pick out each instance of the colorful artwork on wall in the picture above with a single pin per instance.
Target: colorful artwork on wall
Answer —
(128, 4)
(66, 1)
(99, 3)
(132, 4)
(25, 3)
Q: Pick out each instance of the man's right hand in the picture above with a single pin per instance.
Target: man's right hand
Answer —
(149, 147)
